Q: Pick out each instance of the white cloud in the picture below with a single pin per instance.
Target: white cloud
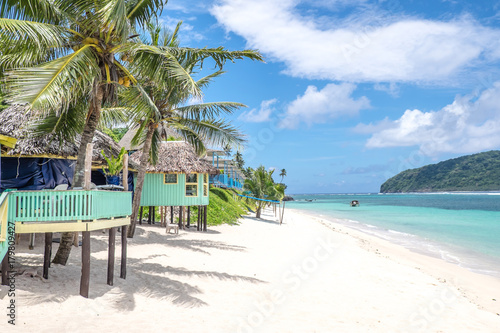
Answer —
(371, 48)
(470, 124)
(390, 88)
(261, 115)
(318, 106)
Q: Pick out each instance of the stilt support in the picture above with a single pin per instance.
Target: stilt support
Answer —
(47, 254)
(84, 281)
(123, 270)
(5, 270)
(111, 255)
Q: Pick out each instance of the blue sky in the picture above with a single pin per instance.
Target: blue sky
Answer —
(354, 91)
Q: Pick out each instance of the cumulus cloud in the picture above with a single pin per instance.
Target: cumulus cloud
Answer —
(383, 48)
(317, 106)
(469, 124)
(261, 115)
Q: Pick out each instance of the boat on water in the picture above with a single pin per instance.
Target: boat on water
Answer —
(355, 203)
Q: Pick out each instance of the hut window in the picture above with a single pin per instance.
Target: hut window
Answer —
(191, 190)
(205, 190)
(170, 179)
(192, 185)
(205, 178)
(192, 178)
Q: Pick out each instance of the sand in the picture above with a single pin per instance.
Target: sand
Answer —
(306, 275)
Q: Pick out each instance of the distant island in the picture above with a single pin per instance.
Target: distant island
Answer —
(477, 172)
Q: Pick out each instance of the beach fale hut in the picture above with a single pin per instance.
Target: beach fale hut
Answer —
(43, 162)
(180, 178)
(33, 168)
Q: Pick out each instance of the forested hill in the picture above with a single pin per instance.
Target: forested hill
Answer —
(478, 172)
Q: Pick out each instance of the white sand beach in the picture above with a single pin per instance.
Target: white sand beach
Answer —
(306, 275)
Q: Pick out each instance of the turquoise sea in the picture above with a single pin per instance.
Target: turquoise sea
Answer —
(461, 228)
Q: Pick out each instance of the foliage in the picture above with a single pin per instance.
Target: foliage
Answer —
(478, 172)
(224, 207)
(115, 164)
(119, 133)
(261, 185)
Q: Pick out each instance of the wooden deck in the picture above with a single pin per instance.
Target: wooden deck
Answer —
(66, 211)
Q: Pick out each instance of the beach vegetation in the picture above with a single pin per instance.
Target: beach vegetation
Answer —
(261, 185)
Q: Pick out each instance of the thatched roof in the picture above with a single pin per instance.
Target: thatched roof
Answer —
(15, 122)
(165, 133)
(177, 157)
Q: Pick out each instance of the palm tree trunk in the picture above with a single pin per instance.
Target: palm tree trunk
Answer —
(259, 209)
(94, 114)
(136, 203)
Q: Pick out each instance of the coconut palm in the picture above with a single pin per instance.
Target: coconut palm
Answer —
(282, 174)
(166, 107)
(261, 185)
(238, 158)
(71, 53)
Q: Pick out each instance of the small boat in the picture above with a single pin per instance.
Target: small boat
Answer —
(355, 203)
(309, 200)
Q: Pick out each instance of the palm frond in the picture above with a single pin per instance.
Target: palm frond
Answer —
(208, 110)
(141, 11)
(43, 35)
(37, 10)
(56, 84)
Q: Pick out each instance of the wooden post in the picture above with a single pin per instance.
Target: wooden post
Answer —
(84, 280)
(111, 255)
(188, 224)
(125, 173)
(123, 270)
(140, 215)
(198, 224)
(171, 214)
(5, 270)
(149, 217)
(88, 167)
(47, 254)
(75, 239)
(205, 218)
(282, 213)
(32, 241)
(181, 225)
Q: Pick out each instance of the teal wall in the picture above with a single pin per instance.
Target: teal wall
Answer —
(156, 193)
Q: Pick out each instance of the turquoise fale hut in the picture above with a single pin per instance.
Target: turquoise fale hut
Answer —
(179, 179)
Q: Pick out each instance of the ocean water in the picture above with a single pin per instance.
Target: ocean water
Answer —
(461, 228)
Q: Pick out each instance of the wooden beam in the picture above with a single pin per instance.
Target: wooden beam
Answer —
(46, 254)
(5, 270)
(125, 173)
(149, 215)
(42, 227)
(111, 255)
(123, 269)
(31, 245)
(171, 214)
(85, 278)
(188, 223)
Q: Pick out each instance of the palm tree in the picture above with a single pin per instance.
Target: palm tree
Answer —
(238, 158)
(282, 174)
(261, 185)
(196, 123)
(66, 54)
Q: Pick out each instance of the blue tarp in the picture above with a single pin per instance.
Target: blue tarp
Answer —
(35, 173)
(43, 173)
